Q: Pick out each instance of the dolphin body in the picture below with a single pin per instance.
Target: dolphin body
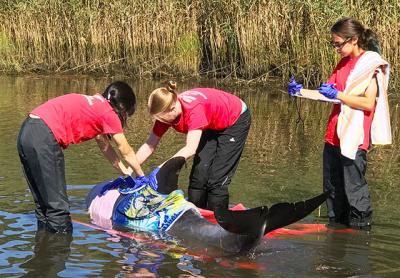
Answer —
(236, 231)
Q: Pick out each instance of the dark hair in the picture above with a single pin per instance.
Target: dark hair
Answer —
(350, 27)
(122, 99)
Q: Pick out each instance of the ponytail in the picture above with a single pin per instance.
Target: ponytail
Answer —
(170, 86)
(369, 41)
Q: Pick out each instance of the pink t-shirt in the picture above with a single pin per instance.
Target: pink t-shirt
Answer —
(75, 118)
(204, 108)
(339, 77)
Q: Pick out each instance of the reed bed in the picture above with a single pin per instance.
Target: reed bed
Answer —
(249, 40)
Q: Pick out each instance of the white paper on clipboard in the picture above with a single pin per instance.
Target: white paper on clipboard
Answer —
(314, 95)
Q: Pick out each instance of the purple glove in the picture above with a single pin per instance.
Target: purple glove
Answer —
(294, 87)
(130, 184)
(328, 90)
(112, 185)
(153, 178)
(141, 180)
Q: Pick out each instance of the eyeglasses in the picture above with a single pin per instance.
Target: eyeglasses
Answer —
(339, 45)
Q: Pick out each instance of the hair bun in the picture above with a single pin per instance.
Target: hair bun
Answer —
(171, 86)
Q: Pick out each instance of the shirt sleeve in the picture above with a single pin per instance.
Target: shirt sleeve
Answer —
(160, 128)
(111, 124)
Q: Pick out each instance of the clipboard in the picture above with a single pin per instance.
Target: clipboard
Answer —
(315, 95)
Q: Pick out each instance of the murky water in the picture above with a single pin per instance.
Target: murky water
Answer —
(281, 162)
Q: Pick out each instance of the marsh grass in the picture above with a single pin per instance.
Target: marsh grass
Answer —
(250, 40)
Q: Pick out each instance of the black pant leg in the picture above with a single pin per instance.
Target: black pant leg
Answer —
(44, 164)
(333, 180)
(203, 159)
(40, 208)
(356, 185)
(231, 142)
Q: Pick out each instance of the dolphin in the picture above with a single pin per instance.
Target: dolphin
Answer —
(165, 209)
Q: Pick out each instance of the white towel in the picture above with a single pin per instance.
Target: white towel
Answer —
(350, 127)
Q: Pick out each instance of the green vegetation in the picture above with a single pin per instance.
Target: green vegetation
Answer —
(246, 39)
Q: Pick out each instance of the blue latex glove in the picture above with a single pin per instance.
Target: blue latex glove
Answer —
(141, 180)
(294, 87)
(328, 90)
(131, 184)
(153, 178)
(112, 185)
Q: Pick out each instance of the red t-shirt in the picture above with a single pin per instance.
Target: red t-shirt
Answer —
(339, 77)
(204, 108)
(74, 118)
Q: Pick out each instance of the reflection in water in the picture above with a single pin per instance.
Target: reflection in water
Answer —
(354, 250)
(142, 262)
(49, 256)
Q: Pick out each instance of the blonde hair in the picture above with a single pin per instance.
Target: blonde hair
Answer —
(161, 99)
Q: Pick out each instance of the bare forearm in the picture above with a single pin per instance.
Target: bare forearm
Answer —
(144, 152)
(357, 102)
(186, 152)
(132, 161)
(111, 155)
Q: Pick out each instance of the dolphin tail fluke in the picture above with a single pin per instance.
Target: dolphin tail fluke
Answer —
(249, 225)
(279, 215)
(283, 214)
(241, 221)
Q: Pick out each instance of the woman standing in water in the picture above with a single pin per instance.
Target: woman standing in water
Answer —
(360, 82)
(216, 124)
(72, 119)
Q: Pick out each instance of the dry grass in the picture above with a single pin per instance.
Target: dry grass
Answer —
(252, 40)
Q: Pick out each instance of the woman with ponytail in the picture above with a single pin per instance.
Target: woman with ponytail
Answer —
(216, 124)
(360, 82)
(72, 119)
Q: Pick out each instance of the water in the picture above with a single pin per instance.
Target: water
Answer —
(281, 162)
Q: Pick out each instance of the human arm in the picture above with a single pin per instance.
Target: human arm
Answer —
(147, 148)
(127, 153)
(109, 152)
(192, 142)
(363, 102)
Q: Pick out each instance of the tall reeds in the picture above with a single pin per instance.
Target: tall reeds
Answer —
(247, 39)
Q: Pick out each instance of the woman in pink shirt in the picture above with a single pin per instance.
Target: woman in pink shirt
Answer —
(72, 119)
(216, 124)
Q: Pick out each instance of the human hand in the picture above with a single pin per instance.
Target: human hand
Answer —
(141, 180)
(153, 178)
(328, 90)
(294, 87)
(129, 171)
(112, 185)
(130, 184)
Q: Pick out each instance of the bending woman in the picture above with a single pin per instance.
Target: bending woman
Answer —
(65, 120)
(163, 208)
(216, 124)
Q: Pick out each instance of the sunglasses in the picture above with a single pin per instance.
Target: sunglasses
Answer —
(337, 45)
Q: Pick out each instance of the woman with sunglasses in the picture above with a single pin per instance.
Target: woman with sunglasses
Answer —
(72, 119)
(216, 124)
(360, 82)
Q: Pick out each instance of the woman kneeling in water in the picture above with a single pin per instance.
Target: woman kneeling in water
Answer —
(124, 202)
